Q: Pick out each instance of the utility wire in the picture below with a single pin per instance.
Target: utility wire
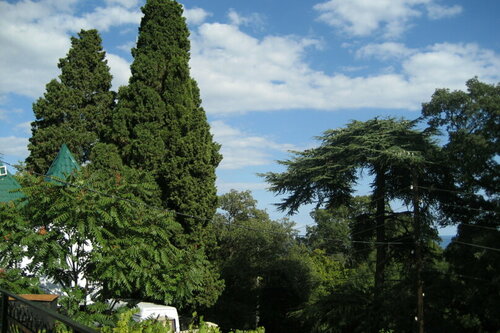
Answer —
(382, 225)
(387, 214)
(430, 189)
(471, 208)
(197, 217)
(373, 199)
(475, 245)
(479, 226)
(114, 197)
(381, 243)
(430, 270)
(138, 203)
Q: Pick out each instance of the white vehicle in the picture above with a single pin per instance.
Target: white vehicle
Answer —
(159, 312)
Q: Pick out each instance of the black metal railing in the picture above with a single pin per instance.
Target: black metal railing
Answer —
(21, 315)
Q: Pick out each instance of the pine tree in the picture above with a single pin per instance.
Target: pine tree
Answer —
(159, 123)
(76, 108)
(391, 150)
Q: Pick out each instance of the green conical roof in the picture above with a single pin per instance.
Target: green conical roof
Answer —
(63, 165)
(8, 184)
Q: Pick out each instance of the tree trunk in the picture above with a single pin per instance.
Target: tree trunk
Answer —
(418, 257)
(379, 198)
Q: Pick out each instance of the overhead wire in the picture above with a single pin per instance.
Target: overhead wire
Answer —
(170, 211)
(379, 226)
(388, 214)
(471, 208)
(479, 226)
(114, 197)
(430, 189)
(476, 245)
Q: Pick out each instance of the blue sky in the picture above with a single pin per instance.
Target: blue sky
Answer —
(273, 74)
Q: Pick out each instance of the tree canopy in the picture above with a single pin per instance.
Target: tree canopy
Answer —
(139, 220)
(75, 110)
(470, 198)
(391, 150)
(159, 124)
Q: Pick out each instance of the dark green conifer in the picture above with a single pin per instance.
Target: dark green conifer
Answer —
(75, 109)
(159, 123)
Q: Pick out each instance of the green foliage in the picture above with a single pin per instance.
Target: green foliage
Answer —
(261, 264)
(257, 330)
(159, 124)
(76, 108)
(334, 227)
(125, 324)
(327, 174)
(118, 248)
(471, 121)
(395, 154)
(155, 147)
(13, 229)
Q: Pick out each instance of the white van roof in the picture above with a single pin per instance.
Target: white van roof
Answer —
(151, 310)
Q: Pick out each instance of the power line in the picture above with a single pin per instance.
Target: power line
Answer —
(200, 218)
(475, 245)
(479, 226)
(114, 197)
(470, 208)
(381, 243)
(430, 270)
(379, 226)
(430, 189)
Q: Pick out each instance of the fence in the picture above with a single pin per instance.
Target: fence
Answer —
(21, 315)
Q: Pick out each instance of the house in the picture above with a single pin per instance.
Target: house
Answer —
(63, 165)
(9, 186)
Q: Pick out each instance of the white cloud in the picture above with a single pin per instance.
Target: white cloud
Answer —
(196, 16)
(4, 114)
(353, 68)
(124, 3)
(449, 64)
(254, 19)
(30, 51)
(384, 51)
(34, 35)
(127, 46)
(387, 17)
(436, 12)
(24, 127)
(104, 18)
(14, 146)
(241, 149)
(120, 69)
(225, 187)
(239, 73)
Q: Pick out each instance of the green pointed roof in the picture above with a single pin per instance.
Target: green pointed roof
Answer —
(63, 165)
(7, 185)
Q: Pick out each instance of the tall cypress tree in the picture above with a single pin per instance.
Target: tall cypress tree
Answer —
(76, 108)
(159, 123)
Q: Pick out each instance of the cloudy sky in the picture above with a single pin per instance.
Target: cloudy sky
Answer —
(273, 74)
